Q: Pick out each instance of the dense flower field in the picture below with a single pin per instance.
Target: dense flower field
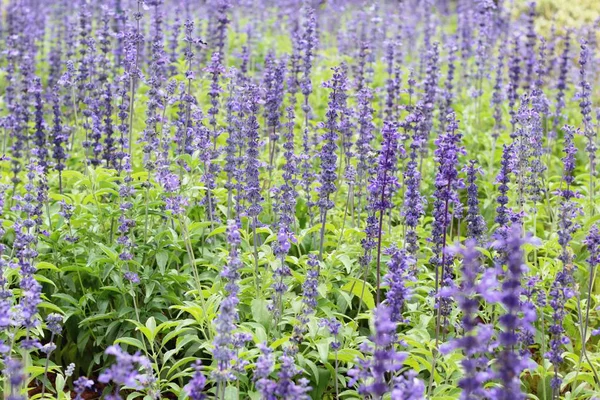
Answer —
(286, 199)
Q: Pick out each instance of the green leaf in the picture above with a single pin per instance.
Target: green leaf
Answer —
(261, 313)
(108, 251)
(131, 342)
(231, 393)
(357, 287)
(46, 265)
(162, 257)
(346, 355)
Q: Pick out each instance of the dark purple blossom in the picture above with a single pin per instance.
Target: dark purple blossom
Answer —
(510, 363)
(397, 278)
(476, 225)
(196, 387)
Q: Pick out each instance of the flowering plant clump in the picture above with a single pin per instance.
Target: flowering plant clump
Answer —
(298, 199)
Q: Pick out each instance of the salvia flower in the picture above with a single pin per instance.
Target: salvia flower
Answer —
(397, 278)
(475, 341)
(476, 225)
(226, 322)
(126, 371)
(447, 182)
(371, 374)
(510, 363)
(195, 388)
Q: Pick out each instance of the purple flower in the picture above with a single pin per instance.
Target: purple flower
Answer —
(530, 47)
(371, 374)
(15, 376)
(503, 179)
(385, 183)
(196, 386)
(498, 94)
(447, 182)
(510, 363)
(54, 323)
(333, 326)
(399, 274)
(225, 351)
(514, 76)
(274, 81)
(585, 104)
(364, 149)
(80, 385)
(132, 277)
(125, 372)
(561, 85)
(475, 341)
(309, 298)
(476, 225)
(328, 157)
(408, 387)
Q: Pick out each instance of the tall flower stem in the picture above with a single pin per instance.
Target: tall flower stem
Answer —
(192, 258)
(132, 79)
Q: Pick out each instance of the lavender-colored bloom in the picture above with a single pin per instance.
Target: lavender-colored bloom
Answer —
(430, 90)
(126, 223)
(216, 70)
(309, 298)
(59, 138)
(371, 373)
(476, 337)
(397, 278)
(364, 149)
(196, 386)
(309, 45)
(333, 326)
(539, 101)
(528, 151)
(284, 387)
(109, 128)
(503, 179)
(584, 94)
(447, 182)
(328, 157)
(218, 24)
(498, 95)
(510, 363)
(448, 93)
(363, 51)
(413, 206)
(226, 322)
(264, 367)
(54, 323)
(561, 289)
(561, 85)
(125, 372)
(385, 183)
(391, 84)
(476, 225)
(132, 277)
(39, 136)
(530, 47)
(274, 81)
(15, 376)
(485, 13)
(80, 385)
(252, 188)
(514, 76)
(156, 73)
(408, 387)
